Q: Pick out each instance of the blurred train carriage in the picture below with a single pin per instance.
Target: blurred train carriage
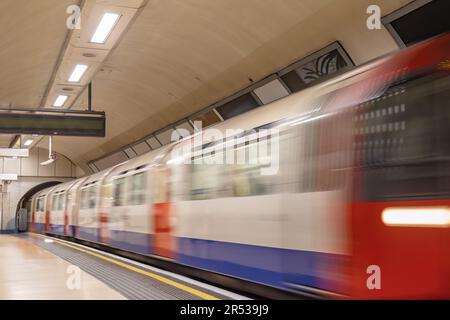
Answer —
(362, 179)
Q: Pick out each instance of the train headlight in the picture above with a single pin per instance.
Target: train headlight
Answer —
(416, 217)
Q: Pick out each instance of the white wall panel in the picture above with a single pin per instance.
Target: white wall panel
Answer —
(153, 143)
(186, 126)
(165, 137)
(141, 148)
(130, 153)
(30, 165)
(63, 167)
(271, 91)
(111, 160)
(11, 165)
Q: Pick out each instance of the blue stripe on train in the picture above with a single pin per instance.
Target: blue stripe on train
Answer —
(125, 240)
(39, 227)
(272, 266)
(57, 229)
(131, 241)
(88, 234)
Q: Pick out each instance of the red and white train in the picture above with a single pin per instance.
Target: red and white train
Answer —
(359, 206)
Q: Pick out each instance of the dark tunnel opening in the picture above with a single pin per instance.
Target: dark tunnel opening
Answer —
(24, 205)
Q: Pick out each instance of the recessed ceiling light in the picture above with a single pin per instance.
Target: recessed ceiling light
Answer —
(59, 102)
(28, 142)
(78, 73)
(105, 27)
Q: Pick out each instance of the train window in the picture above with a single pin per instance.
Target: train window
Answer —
(136, 189)
(61, 201)
(247, 179)
(403, 140)
(39, 205)
(92, 196)
(84, 198)
(69, 201)
(308, 182)
(328, 153)
(42, 205)
(119, 192)
(205, 181)
(55, 199)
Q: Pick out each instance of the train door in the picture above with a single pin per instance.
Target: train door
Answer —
(73, 214)
(105, 194)
(67, 209)
(164, 241)
(48, 203)
(313, 158)
(33, 213)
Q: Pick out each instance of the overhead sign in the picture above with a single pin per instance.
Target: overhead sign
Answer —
(8, 176)
(9, 152)
(52, 122)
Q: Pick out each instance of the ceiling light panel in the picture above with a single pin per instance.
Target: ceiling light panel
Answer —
(78, 73)
(105, 28)
(60, 101)
(104, 23)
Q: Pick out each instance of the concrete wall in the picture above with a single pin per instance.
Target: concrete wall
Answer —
(31, 174)
(30, 167)
(11, 195)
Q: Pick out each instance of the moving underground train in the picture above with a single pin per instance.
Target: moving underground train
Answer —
(340, 190)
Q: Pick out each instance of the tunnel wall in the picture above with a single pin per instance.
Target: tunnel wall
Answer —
(30, 174)
(14, 193)
(30, 166)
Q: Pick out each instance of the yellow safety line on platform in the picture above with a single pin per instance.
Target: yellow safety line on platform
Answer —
(175, 284)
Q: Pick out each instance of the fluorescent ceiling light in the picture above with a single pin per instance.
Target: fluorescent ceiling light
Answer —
(105, 27)
(28, 142)
(78, 73)
(417, 217)
(59, 102)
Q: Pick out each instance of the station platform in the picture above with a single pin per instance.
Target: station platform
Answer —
(36, 267)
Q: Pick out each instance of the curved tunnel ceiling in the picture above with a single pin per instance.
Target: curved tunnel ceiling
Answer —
(179, 56)
(30, 42)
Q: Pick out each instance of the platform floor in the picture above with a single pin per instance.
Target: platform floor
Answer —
(36, 267)
(28, 272)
